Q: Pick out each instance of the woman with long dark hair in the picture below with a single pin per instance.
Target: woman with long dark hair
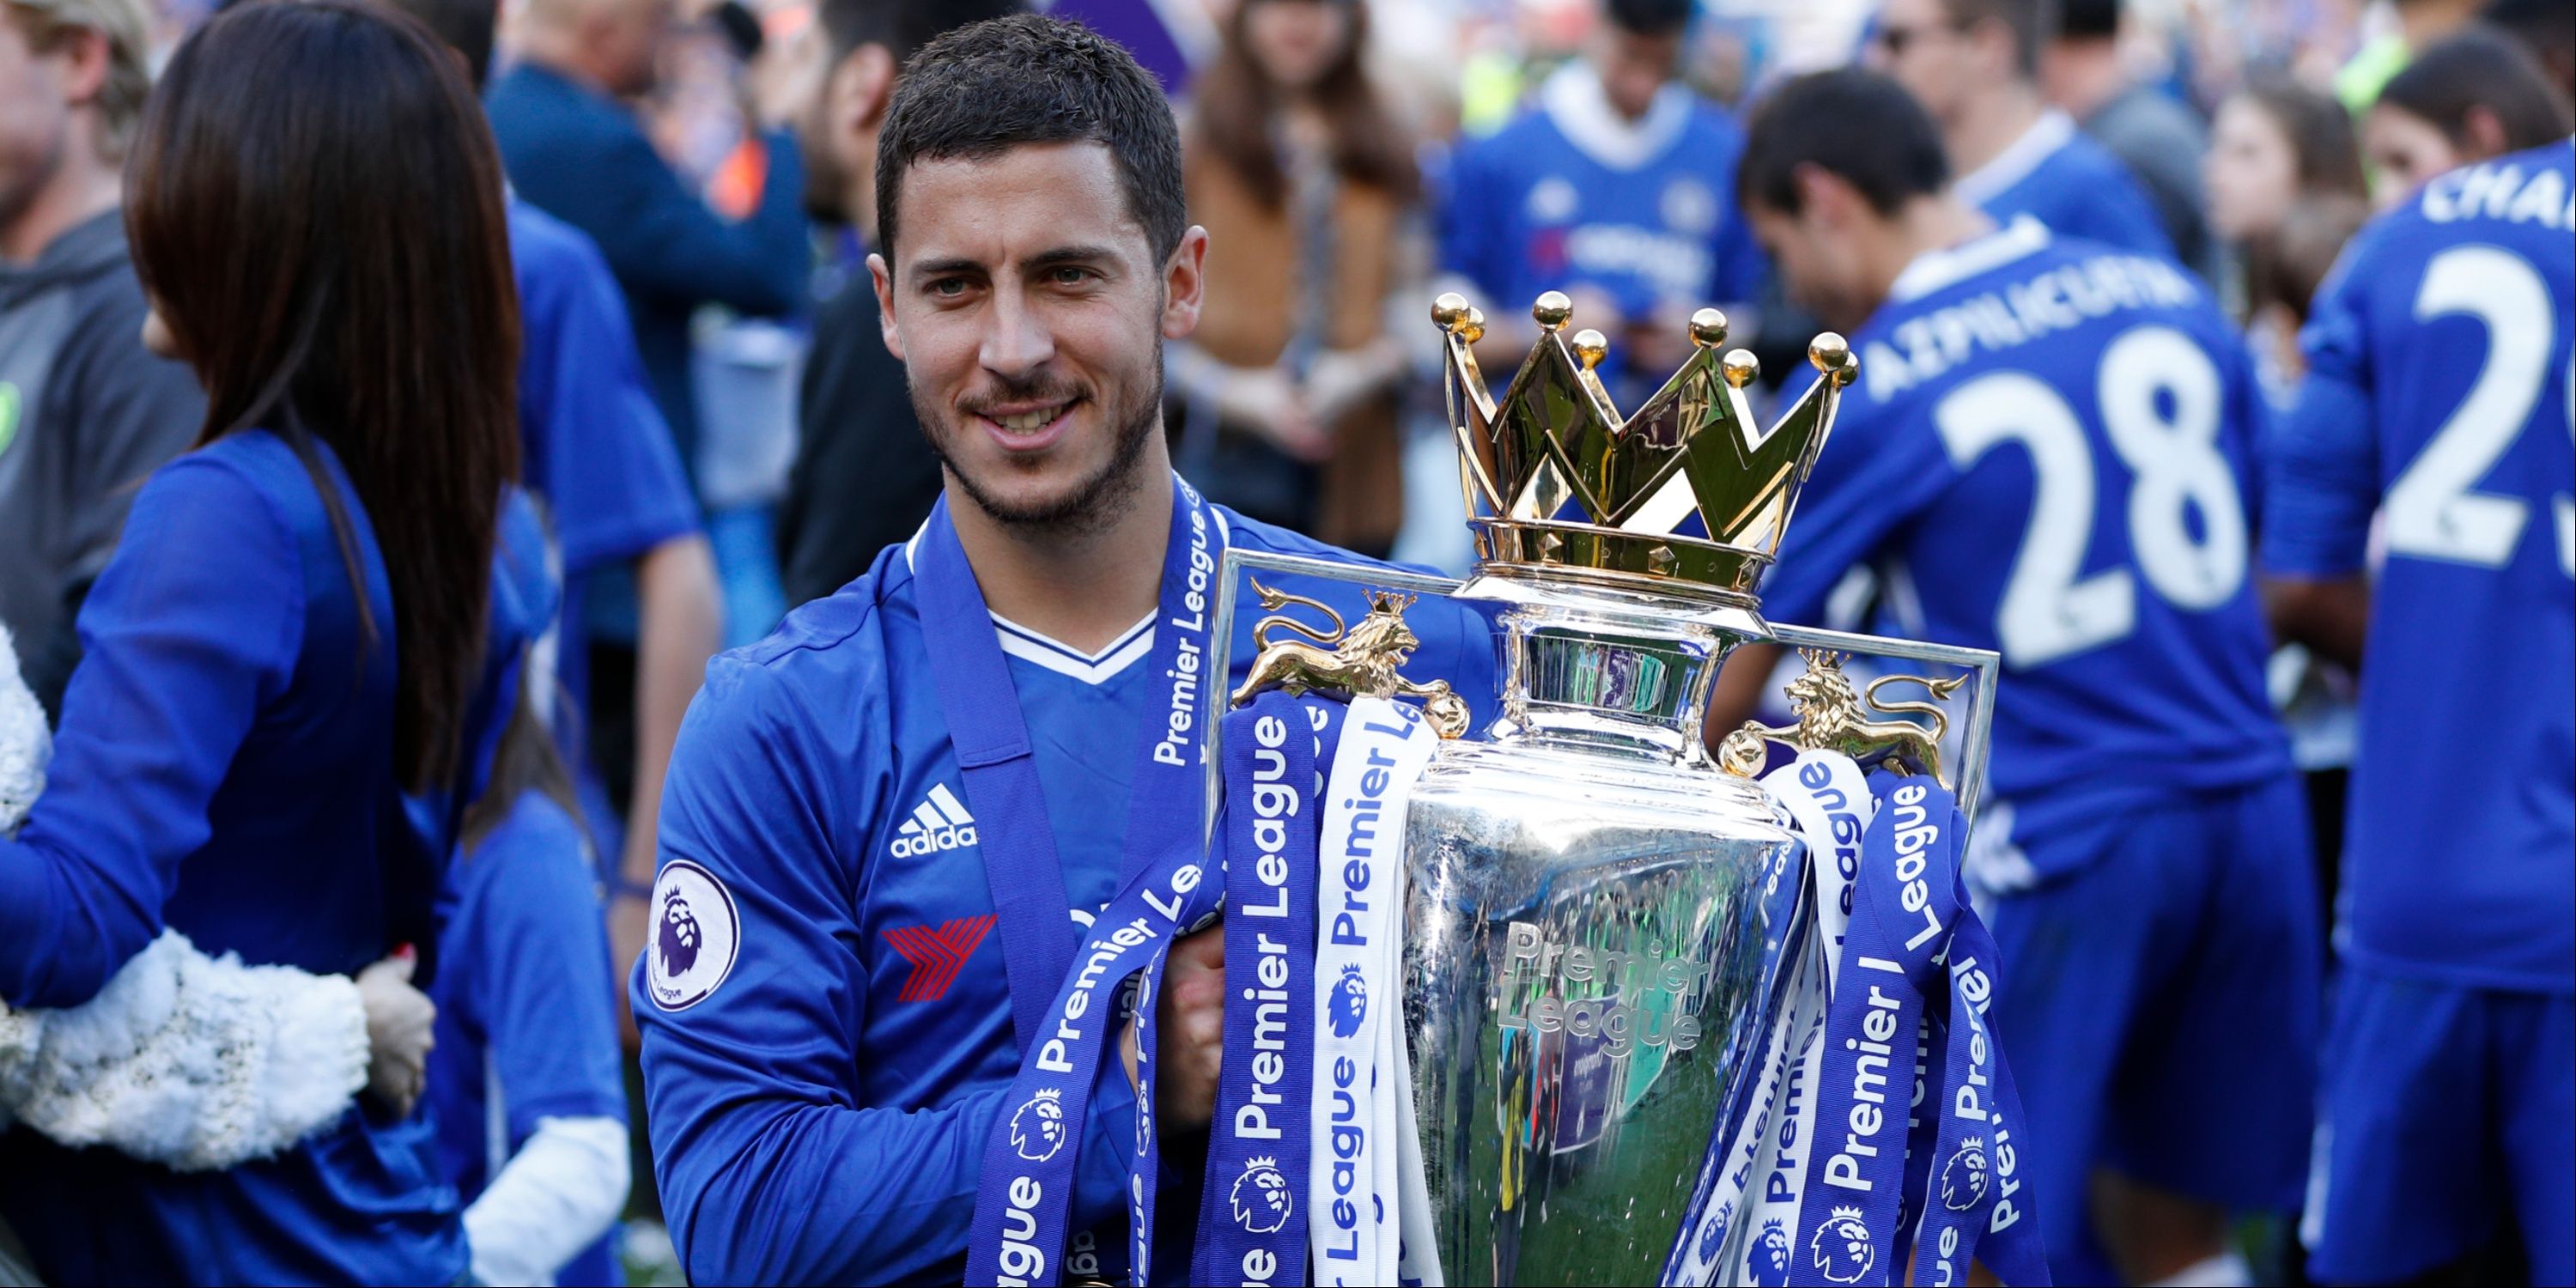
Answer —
(284, 645)
(1306, 185)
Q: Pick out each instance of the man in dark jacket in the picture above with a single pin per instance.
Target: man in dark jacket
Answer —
(85, 411)
(575, 151)
(863, 477)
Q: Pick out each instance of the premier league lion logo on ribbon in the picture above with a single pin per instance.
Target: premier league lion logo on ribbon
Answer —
(1037, 1128)
(1348, 1006)
(1841, 1246)
(1713, 1232)
(679, 939)
(1260, 1196)
(1770, 1256)
(1963, 1178)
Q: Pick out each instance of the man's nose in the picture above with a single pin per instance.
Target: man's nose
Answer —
(1017, 339)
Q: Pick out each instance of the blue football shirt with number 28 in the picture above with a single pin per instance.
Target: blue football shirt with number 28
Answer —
(2048, 454)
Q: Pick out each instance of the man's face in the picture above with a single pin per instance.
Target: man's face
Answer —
(1814, 257)
(629, 37)
(1029, 310)
(1925, 50)
(806, 69)
(35, 118)
(1634, 67)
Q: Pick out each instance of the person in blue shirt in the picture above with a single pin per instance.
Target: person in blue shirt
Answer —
(524, 1080)
(576, 152)
(285, 645)
(595, 449)
(2049, 450)
(1617, 188)
(1973, 64)
(2438, 399)
(886, 822)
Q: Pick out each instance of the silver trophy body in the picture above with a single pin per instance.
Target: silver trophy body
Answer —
(1583, 942)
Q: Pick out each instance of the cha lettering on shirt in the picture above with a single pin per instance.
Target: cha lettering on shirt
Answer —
(2504, 191)
(697, 933)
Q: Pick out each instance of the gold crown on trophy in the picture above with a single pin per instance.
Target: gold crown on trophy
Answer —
(1688, 490)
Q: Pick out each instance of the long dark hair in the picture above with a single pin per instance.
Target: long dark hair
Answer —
(2481, 69)
(1236, 107)
(314, 204)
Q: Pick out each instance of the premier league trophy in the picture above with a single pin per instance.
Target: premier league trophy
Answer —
(1583, 962)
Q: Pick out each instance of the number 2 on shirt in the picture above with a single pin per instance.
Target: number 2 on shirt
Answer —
(2049, 611)
(2433, 510)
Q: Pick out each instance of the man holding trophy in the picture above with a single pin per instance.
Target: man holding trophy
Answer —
(1574, 1000)
(888, 824)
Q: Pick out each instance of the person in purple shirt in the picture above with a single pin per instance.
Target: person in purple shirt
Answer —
(1973, 64)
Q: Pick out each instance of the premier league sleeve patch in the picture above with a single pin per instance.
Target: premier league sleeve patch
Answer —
(696, 933)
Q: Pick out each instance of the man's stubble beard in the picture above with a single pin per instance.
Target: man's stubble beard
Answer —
(1090, 506)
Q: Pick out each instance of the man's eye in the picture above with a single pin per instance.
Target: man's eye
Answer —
(948, 288)
(1070, 275)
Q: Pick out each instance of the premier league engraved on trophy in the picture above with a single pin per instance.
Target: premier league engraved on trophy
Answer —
(1586, 987)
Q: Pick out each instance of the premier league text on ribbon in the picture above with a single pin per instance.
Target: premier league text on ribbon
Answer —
(1175, 748)
(1274, 801)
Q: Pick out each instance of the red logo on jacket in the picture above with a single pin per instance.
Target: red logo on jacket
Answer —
(936, 955)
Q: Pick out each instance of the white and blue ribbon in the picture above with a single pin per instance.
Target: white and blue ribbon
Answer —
(1880, 1130)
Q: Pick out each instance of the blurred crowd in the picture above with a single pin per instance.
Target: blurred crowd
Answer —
(712, 429)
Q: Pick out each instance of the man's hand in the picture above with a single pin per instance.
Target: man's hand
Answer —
(400, 1021)
(1190, 1017)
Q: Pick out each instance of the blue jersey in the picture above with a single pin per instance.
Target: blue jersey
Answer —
(225, 769)
(526, 1022)
(822, 1099)
(1569, 195)
(2438, 397)
(2057, 175)
(2048, 452)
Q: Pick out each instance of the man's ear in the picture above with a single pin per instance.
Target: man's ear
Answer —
(860, 90)
(1824, 196)
(882, 278)
(2483, 132)
(1998, 57)
(1185, 284)
(86, 52)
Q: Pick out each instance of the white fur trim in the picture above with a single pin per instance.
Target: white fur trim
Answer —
(25, 743)
(194, 1062)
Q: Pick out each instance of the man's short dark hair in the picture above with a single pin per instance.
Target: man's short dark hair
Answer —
(1857, 125)
(2088, 19)
(466, 26)
(979, 91)
(2031, 22)
(902, 26)
(1648, 17)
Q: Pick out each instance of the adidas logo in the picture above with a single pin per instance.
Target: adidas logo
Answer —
(939, 823)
